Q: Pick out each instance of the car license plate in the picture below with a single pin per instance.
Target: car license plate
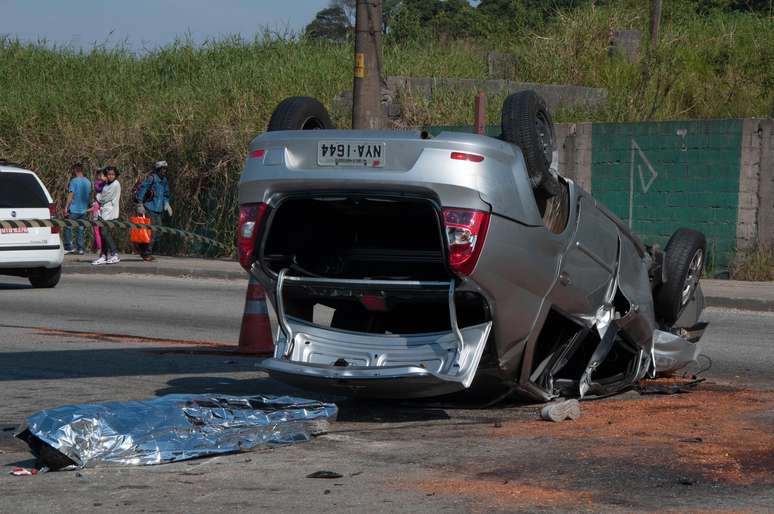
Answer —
(11, 230)
(351, 153)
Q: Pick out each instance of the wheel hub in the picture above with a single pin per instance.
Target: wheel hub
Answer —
(692, 279)
(545, 136)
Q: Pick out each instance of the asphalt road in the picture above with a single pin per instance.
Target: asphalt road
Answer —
(144, 305)
(100, 338)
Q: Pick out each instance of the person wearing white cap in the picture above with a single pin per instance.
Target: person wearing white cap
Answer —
(151, 199)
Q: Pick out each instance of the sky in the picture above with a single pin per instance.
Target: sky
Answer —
(147, 24)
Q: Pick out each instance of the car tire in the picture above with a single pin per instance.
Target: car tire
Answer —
(44, 278)
(299, 113)
(527, 123)
(684, 258)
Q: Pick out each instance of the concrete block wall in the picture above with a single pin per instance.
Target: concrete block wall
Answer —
(749, 178)
(574, 143)
(764, 133)
(661, 176)
(555, 95)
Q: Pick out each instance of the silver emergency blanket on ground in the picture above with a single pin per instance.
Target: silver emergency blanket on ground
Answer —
(174, 427)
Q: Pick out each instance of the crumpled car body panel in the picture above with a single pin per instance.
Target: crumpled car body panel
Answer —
(561, 306)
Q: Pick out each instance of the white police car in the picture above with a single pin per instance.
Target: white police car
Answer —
(32, 252)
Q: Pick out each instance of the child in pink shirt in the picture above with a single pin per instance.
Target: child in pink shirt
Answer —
(99, 183)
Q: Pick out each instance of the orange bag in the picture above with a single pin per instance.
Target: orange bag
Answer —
(140, 235)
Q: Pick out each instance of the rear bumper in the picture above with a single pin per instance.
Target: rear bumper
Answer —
(21, 257)
(370, 382)
(375, 365)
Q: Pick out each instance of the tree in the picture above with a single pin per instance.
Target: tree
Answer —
(389, 8)
(337, 21)
(515, 15)
(349, 7)
(457, 18)
(423, 19)
(406, 25)
(426, 10)
(330, 24)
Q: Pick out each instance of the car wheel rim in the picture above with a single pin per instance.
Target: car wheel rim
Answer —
(694, 274)
(311, 124)
(545, 136)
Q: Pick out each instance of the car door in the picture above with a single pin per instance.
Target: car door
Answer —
(590, 262)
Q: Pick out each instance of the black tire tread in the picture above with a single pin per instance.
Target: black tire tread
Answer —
(518, 127)
(525, 107)
(293, 111)
(677, 259)
(45, 278)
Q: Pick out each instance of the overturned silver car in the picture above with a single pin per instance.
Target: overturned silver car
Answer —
(400, 265)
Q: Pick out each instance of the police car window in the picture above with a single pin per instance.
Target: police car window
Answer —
(19, 190)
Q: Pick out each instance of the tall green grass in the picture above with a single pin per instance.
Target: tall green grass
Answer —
(196, 107)
(754, 263)
(199, 106)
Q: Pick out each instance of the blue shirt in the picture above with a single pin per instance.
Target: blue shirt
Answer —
(80, 187)
(160, 192)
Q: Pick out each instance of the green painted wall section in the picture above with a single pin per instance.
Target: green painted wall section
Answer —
(666, 175)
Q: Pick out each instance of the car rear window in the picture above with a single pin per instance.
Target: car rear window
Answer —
(21, 190)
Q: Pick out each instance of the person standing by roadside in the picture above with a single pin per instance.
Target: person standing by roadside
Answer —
(99, 182)
(76, 207)
(109, 200)
(151, 198)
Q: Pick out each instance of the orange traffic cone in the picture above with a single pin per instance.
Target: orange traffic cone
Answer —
(255, 336)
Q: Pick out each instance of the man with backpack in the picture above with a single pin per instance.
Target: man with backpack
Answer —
(151, 197)
(78, 192)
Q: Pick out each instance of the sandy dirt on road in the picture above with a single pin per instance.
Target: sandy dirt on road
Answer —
(715, 429)
(716, 432)
(506, 493)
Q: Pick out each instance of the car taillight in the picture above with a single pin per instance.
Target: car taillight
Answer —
(465, 232)
(52, 209)
(250, 215)
(462, 156)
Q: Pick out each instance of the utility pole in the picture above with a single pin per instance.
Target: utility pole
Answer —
(479, 113)
(655, 21)
(367, 81)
